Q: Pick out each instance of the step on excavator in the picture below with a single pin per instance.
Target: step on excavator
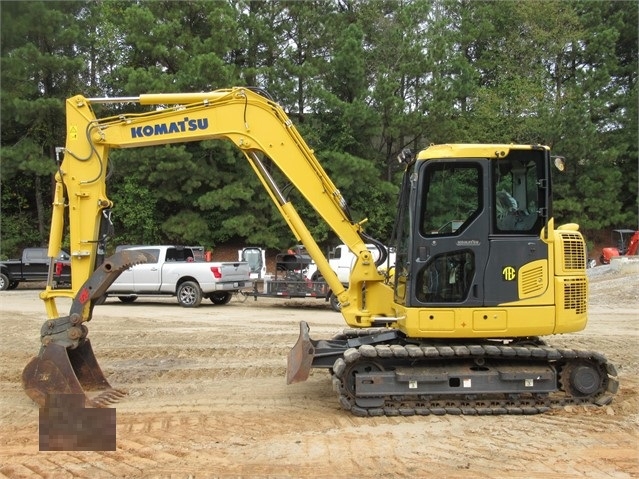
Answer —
(455, 326)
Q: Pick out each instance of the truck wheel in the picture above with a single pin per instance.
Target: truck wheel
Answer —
(189, 294)
(221, 297)
(127, 299)
(4, 282)
(13, 284)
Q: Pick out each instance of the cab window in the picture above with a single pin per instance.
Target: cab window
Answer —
(446, 278)
(515, 195)
(451, 198)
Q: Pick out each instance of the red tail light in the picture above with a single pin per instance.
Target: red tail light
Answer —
(217, 273)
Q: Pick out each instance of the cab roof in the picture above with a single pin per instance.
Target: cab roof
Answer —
(467, 150)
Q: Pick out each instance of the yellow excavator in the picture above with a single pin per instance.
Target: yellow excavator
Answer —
(453, 327)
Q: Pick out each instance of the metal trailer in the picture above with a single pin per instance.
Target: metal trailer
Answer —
(290, 281)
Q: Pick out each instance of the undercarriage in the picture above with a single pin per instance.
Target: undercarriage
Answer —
(379, 372)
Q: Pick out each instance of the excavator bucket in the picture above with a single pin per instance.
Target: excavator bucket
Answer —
(68, 371)
(66, 363)
(300, 357)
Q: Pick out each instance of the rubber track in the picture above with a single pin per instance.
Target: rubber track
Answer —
(472, 405)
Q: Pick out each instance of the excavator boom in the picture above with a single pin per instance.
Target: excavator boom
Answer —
(257, 126)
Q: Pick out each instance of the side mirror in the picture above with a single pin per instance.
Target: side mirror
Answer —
(406, 156)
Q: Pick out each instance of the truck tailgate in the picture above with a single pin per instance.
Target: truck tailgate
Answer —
(229, 271)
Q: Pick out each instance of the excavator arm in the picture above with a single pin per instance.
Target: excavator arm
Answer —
(262, 131)
(258, 127)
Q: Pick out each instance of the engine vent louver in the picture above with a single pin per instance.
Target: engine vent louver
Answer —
(574, 251)
(576, 295)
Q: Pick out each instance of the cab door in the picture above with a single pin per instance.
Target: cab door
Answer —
(519, 190)
(449, 249)
(139, 278)
(147, 276)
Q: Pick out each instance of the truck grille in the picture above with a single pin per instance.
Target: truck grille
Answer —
(574, 251)
(576, 294)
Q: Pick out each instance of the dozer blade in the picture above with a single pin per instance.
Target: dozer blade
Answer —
(58, 370)
(300, 357)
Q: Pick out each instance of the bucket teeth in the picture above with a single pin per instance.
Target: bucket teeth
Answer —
(106, 398)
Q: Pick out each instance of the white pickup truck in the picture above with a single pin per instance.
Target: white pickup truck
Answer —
(179, 271)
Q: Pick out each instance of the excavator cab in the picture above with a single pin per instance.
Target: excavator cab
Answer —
(499, 207)
(480, 273)
(623, 239)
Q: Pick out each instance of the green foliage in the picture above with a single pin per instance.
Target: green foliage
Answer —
(186, 227)
(135, 218)
(18, 228)
(368, 197)
(17, 233)
(360, 79)
(39, 67)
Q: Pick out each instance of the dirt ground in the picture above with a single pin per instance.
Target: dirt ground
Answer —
(207, 397)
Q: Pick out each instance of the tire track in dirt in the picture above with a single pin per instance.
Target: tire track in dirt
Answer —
(207, 398)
